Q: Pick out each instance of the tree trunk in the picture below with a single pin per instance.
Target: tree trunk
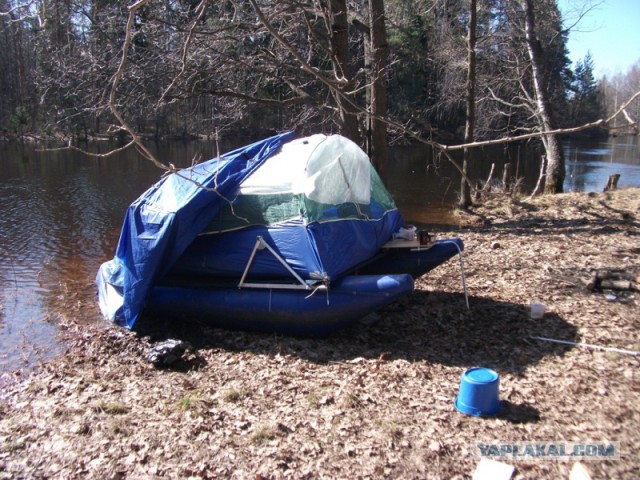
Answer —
(378, 97)
(554, 180)
(465, 190)
(506, 178)
(342, 68)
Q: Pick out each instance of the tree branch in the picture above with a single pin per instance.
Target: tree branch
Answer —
(603, 122)
(201, 8)
(114, 89)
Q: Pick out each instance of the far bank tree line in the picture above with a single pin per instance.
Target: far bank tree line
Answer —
(373, 70)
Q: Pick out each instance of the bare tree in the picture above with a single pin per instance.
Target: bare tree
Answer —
(465, 192)
(555, 173)
(617, 88)
(336, 15)
(17, 60)
(378, 84)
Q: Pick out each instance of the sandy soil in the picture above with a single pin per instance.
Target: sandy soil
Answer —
(373, 401)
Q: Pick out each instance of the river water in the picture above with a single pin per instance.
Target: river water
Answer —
(62, 212)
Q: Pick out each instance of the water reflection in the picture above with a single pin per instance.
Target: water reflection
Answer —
(426, 186)
(590, 163)
(62, 213)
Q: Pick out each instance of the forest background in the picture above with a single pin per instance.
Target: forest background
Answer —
(377, 71)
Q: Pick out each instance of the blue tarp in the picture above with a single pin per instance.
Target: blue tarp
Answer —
(160, 225)
(315, 250)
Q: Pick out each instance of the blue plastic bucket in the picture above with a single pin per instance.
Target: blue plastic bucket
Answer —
(479, 394)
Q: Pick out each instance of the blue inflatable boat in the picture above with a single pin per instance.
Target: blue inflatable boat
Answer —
(319, 311)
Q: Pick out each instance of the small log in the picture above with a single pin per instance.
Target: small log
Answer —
(616, 284)
(612, 183)
(612, 279)
(605, 274)
(616, 274)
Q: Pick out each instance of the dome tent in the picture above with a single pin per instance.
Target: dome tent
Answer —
(318, 202)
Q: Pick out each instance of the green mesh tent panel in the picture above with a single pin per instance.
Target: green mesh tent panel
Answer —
(249, 210)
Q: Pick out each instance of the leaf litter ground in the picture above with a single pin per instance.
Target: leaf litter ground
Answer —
(373, 401)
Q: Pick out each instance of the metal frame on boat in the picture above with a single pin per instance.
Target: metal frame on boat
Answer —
(301, 285)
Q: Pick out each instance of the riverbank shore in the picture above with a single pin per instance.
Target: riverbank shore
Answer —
(375, 401)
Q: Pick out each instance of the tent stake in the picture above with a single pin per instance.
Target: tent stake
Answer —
(464, 280)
